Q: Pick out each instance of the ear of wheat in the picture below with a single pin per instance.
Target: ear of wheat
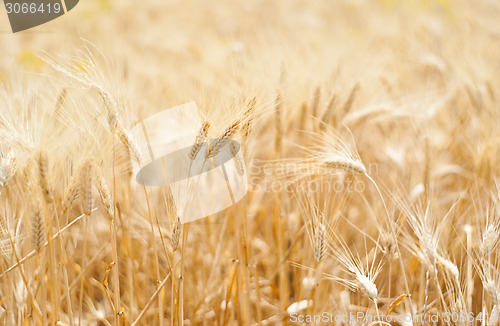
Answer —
(199, 141)
(221, 141)
(364, 278)
(490, 238)
(350, 99)
(176, 234)
(450, 268)
(336, 162)
(240, 167)
(331, 156)
(43, 176)
(105, 195)
(327, 116)
(85, 187)
(319, 242)
(249, 117)
(316, 101)
(113, 116)
(7, 169)
(38, 229)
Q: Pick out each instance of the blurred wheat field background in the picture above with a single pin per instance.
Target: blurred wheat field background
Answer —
(371, 137)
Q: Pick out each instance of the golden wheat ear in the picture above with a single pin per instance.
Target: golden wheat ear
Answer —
(249, 118)
(105, 195)
(85, 187)
(43, 176)
(338, 163)
(199, 141)
(38, 229)
(176, 234)
(221, 140)
(319, 241)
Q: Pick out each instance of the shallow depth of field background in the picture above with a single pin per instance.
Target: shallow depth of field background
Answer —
(415, 89)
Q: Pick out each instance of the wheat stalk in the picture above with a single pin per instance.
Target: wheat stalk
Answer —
(221, 140)
(319, 241)
(38, 230)
(249, 117)
(85, 187)
(199, 141)
(176, 233)
(43, 174)
(240, 167)
(347, 165)
(105, 195)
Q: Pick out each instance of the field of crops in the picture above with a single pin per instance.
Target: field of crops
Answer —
(366, 131)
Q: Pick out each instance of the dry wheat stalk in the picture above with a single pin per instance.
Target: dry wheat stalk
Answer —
(450, 267)
(319, 241)
(43, 174)
(105, 195)
(85, 187)
(127, 140)
(347, 165)
(199, 141)
(490, 239)
(249, 116)
(110, 104)
(350, 99)
(329, 112)
(60, 101)
(38, 230)
(364, 279)
(240, 167)
(71, 197)
(367, 286)
(176, 234)
(220, 141)
(316, 100)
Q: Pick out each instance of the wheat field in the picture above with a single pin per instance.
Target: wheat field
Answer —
(370, 136)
